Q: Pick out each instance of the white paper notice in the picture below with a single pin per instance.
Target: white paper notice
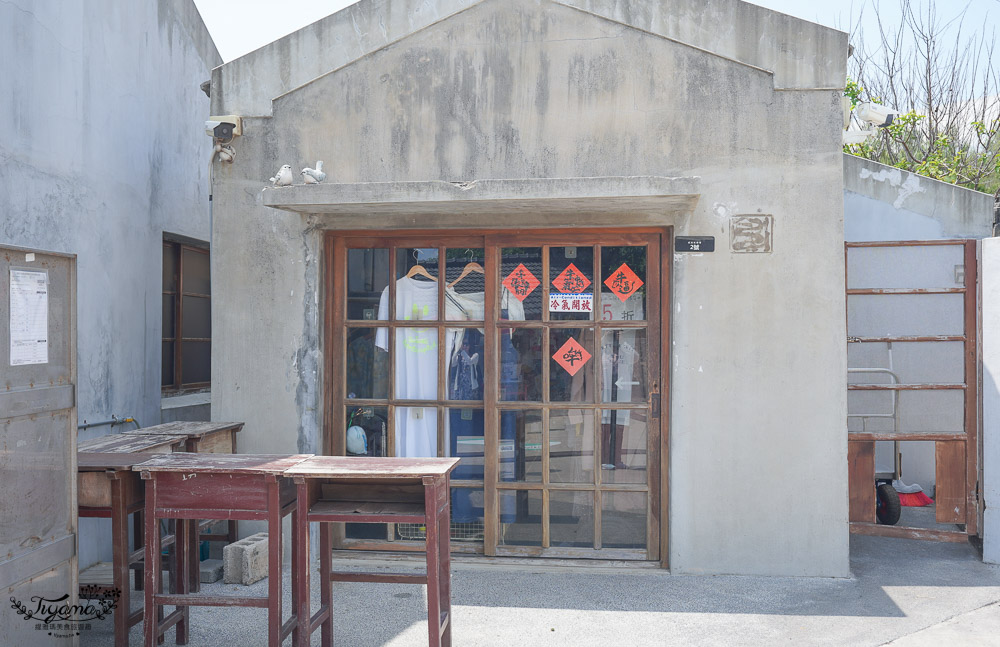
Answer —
(29, 317)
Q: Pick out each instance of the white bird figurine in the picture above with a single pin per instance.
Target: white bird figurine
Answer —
(314, 176)
(283, 177)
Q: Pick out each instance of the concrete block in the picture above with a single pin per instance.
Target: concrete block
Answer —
(211, 570)
(245, 561)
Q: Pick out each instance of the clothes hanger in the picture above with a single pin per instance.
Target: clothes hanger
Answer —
(468, 269)
(418, 269)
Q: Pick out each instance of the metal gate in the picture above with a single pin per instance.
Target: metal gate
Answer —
(912, 376)
(37, 445)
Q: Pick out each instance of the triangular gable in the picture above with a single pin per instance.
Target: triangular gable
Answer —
(802, 55)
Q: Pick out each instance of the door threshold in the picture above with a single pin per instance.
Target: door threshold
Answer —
(347, 558)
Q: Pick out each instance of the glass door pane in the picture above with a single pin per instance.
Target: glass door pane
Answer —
(571, 292)
(623, 283)
(571, 367)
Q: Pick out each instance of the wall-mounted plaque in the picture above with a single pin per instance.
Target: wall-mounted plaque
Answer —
(694, 244)
(751, 233)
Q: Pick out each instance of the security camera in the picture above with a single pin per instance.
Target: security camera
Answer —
(225, 127)
(875, 114)
(223, 131)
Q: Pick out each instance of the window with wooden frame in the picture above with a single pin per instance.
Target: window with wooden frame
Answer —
(186, 354)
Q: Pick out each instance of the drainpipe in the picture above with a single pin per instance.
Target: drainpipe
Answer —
(115, 420)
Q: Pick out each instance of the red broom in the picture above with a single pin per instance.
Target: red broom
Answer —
(911, 495)
(914, 499)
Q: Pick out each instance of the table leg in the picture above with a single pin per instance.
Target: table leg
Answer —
(300, 567)
(151, 569)
(433, 564)
(233, 527)
(137, 526)
(119, 560)
(444, 541)
(273, 564)
(182, 551)
(325, 584)
(194, 556)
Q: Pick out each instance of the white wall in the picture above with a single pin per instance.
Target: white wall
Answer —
(990, 268)
(102, 149)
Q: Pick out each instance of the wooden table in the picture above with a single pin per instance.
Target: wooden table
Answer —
(107, 487)
(201, 437)
(132, 444)
(188, 487)
(333, 489)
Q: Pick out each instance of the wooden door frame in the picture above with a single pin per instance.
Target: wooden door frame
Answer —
(333, 309)
(861, 446)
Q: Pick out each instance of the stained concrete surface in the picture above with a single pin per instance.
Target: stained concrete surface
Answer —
(902, 592)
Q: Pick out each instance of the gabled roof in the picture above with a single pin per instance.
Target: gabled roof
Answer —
(801, 55)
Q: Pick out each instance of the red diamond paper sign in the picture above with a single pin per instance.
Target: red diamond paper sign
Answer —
(521, 282)
(571, 281)
(623, 282)
(572, 356)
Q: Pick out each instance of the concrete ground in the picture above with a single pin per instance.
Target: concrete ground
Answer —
(903, 593)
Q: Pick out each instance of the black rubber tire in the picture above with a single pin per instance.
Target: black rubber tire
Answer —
(887, 506)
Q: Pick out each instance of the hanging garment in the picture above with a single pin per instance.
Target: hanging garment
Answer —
(416, 356)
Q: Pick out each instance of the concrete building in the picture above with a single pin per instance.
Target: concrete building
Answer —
(542, 136)
(103, 155)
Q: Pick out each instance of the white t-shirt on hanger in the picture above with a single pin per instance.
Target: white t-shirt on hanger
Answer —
(416, 355)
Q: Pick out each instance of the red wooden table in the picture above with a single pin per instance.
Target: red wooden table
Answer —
(188, 487)
(108, 488)
(201, 437)
(334, 489)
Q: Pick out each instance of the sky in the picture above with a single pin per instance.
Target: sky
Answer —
(241, 26)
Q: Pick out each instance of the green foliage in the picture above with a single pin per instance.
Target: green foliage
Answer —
(966, 154)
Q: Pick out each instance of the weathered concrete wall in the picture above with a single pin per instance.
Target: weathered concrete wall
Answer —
(102, 149)
(885, 203)
(990, 281)
(737, 30)
(539, 89)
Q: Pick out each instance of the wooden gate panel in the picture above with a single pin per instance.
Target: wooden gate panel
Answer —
(927, 273)
(950, 495)
(861, 480)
